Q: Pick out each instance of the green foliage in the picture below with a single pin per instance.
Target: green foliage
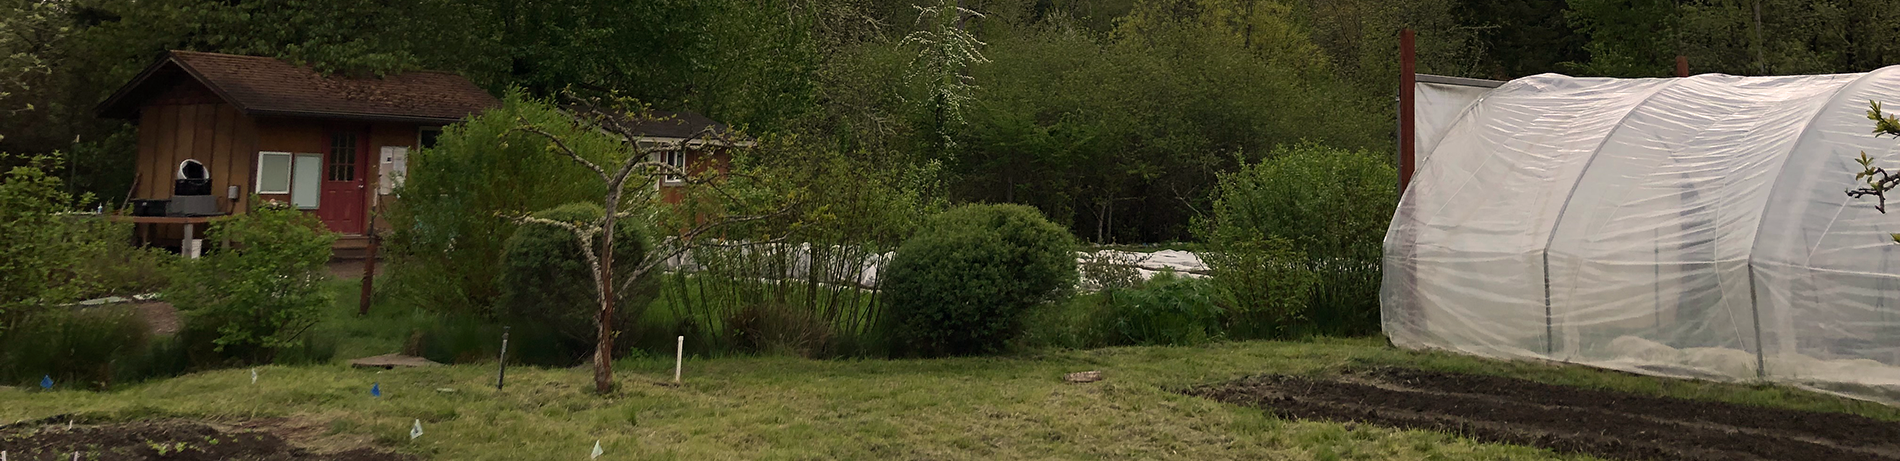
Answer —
(547, 281)
(450, 223)
(263, 292)
(90, 348)
(816, 297)
(963, 283)
(1166, 310)
(1119, 136)
(1267, 284)
(42, 251)
(1332, 205)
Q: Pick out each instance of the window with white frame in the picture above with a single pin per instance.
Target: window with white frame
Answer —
(675, 158)
(273, 173)
(297, 175)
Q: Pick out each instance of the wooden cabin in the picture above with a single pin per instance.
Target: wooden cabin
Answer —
(260, 127)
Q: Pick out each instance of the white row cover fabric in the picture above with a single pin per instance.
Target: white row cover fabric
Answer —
(1691, 227)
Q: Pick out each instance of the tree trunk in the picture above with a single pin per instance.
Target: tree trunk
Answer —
(604, 348)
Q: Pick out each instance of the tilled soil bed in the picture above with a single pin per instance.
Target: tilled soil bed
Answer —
(1566, 419)
(52, 440)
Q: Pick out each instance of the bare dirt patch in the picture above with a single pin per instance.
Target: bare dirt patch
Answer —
(51, 439)
(1566, 419)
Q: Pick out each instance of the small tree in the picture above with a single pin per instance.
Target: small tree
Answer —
(1878, 180)
(631, 167)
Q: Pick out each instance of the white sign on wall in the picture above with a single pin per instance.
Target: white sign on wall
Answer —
(395, 166)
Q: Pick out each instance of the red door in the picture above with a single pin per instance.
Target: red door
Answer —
(341, 207)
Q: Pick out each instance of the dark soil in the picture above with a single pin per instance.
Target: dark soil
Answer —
(1567, 419)
(50, 440)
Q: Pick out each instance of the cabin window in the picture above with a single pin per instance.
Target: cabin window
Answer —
(343, 157)
(298, 175)
(305, 180)
(273, 172)
(677, 159)
(425, 136)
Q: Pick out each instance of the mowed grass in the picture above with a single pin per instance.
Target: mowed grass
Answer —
(1012, 407)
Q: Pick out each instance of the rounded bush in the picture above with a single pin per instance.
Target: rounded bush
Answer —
(963, 283)
(545, 279)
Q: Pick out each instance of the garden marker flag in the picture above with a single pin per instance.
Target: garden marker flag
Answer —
(597, 451)
(375, 389)
(46, 382)
(416, 431)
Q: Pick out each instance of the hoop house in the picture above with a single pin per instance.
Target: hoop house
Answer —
(1693, 227)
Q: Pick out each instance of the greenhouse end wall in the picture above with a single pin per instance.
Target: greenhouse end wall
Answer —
(1689, 227)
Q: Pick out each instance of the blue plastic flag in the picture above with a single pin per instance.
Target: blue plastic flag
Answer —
(375, 390)
(46, 382)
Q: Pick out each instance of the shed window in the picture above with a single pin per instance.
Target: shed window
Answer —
(425, 136)
(677, 159)
(273, 172)
(309, 173)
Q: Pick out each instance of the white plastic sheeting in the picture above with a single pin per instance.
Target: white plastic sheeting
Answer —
(1684, 227)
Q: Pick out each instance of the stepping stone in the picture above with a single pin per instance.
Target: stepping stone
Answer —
(391, 361)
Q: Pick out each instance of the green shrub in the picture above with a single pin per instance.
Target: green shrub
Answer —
(108, 265)
(1165, 310)
(89, 348)
(448, 230)
(963, 283)
(1265, 284)
(545, 278)
(263, 292)
(37, 250)
(1330, 205)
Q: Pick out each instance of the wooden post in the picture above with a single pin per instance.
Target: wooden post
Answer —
(1682, 66)
(369, 260)
(1408, 82)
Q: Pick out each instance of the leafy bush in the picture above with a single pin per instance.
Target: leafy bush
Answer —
(546, 280)
(1330, 205)
(813, 298)
(107, 264)
(963, 283)
(1266, 283)
(448, 230)
(37, 252)
(1166, 310)
(260, 294)
(90, 348)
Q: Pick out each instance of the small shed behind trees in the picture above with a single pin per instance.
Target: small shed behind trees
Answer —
(1693, 227)
(328, 144)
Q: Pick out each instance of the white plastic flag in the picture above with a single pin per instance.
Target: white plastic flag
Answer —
(597, 451)
(253, 376)
(416, 431)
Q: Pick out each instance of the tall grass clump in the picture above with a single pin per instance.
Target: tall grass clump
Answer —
(809, 289)
(963, 284)
(91, 348)
(1322, 209)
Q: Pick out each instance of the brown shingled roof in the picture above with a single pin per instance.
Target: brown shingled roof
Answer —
(271, 87)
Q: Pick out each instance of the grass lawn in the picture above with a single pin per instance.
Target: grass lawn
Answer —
(1013, 407)
(1008, 407)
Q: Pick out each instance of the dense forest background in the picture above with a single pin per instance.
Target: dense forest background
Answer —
(1114, 117)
